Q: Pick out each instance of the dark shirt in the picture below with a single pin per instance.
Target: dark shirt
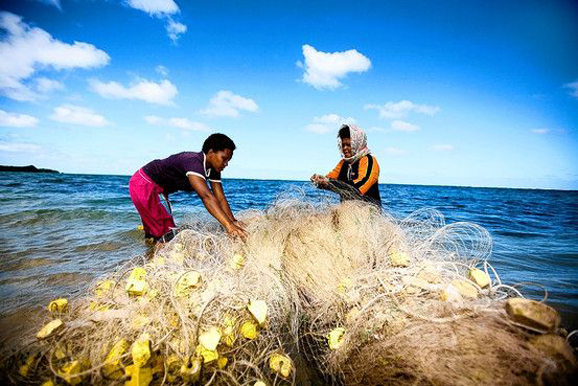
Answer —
(172, 173)
(360, 178)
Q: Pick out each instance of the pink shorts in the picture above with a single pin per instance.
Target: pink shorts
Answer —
(144, 194)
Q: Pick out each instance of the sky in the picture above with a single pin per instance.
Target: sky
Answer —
(469, 93)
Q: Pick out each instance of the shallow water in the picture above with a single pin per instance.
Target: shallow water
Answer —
(59, 232)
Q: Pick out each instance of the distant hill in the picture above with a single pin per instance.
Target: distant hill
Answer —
(28, 169)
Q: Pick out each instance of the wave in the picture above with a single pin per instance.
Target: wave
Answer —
(519, 235)
(51, 216)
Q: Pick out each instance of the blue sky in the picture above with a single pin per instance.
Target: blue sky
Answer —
(480, 93)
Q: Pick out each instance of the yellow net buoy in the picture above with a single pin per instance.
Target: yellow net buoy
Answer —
(25, 368)
(479, 277)
(222, 362)
(139, 376)
(59, 352)
(258, 308)
(191, 371)
(50, 329)
(229, 331)
(465, 288)
(533, 314)
(249, 330)
(335, 338)
(343, 286)
(70, 371)
(207, 355)
(136, 284)
(398, 259)
(210, 338)
(187, 282)
(141, 351)
(112, 368)
(281, 364)
(58, 306)
(103, 288)
(451, 294)
(238, 261)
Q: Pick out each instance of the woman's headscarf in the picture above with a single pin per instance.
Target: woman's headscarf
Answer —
(358, 143)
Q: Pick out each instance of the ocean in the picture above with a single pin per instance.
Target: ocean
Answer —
(58, 232)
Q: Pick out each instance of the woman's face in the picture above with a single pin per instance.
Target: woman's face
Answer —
(219, 159)
(346, 147)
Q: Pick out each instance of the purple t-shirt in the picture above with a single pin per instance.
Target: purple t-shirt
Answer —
(172, 173)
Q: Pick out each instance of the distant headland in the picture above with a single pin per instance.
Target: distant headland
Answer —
(28, 169)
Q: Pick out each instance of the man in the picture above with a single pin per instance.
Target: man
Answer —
(186, 171)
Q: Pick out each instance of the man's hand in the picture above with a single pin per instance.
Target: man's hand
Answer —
(234, 230)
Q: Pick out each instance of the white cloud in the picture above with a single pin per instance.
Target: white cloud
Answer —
(181, 123)
(184, 123)
(333, 118)
(18, 147)
(154, 7)
(327, 123)
(24, 50)
(394, 151)
(540, 131)
(324, 70)
(78, 115)
(17, 120)
(573, 88)
(55, 3)
(227, 104)
(377, 129)
(175, 30)
(402, 109)
(158, 93)
(403, 126)
(162, 9)
(443, 147)
(162, 70)
(152, 119)
(45, 85)
(318, 128)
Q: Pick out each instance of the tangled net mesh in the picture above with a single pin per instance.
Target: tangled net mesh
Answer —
(318, 294)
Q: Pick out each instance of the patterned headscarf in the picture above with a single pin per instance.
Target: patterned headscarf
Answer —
(358, 143)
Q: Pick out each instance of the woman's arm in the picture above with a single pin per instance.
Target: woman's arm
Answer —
(217, 188)
(368, 174)
(213, 207)
(323, 182)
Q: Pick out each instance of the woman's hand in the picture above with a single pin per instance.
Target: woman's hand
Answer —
(235, 230)
(240, 224)
(320, 180)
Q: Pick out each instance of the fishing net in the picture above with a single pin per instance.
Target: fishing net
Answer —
(317, 294)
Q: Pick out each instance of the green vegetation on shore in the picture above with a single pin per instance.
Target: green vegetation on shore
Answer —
(28, 169)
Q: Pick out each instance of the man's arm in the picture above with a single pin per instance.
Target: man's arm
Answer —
(212, 205)
(217, 188)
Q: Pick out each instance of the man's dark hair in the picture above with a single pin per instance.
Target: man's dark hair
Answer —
(344, 132)
(217, 142)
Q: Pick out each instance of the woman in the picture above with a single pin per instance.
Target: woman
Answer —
(189, 172)
(356, 175)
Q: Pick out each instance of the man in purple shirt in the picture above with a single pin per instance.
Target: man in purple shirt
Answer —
(187, 171)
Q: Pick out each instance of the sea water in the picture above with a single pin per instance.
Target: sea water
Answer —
(58, 232)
